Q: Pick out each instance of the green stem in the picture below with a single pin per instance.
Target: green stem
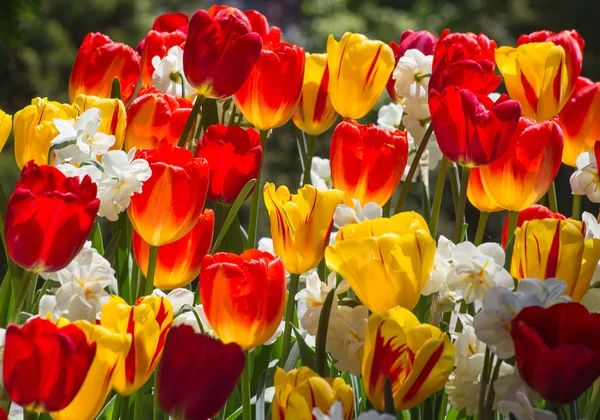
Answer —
(28, 278)
(289, 317)
(245, 382)
(512, 226)
(489, 402)
(425, 199)
(124, 408)
(5, 294)
(138, 404)
(462, 201)
(312, 143)
(135, 280)
(191, 119)
(155, 406)
(576, 212)
(413, 169)
(151, 269)
(437, 197)
(116, 410)
(255, 202)
(485, 377)
(29, 415)
(443, 406)
(552, 203)
(232, 116)
(483, 218)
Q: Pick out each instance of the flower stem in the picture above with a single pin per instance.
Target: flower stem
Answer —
(312, 143)
(489, 402)
(151, 269)
(289, 317)
(460, 205)
(245, 381)
(191, 119)
(28, 278)
(594, 407)
(138, 407)
(512, 227)
(552, 203)
(254, 205)
(485, 377)
(437, 196)
(155, 406)
(483, 218)
(576, 212)
(413, 168)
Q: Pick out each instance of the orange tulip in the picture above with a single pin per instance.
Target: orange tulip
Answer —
(477, 195)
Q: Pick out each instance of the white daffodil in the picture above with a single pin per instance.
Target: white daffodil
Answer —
(412, 75)
(477, 269)
(585, 180)
(522, 409)
(466, 342)
(507, 386)
(80, 171)
(80, 140)
(549, 291)
(320, 174)
(389, 116)
(336, 412)
(346, 337)
(592, 231)
(346, 215)
(442, 265)
(168, 74)
(189, 318)
(123, 176)
(416, 119)
(311, 299)
(177, 297)
(82, 292)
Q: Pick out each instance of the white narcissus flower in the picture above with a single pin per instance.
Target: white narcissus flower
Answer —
(442, 265)
(80, 171)
(477, 269)
(320, 174)
(466, 342)
(311, 299)
(592, 231)
(389, 116)
(189, 318)
(522, 409)
(80, 140)
(412, 75)
(177, 297)
(585, 180)
(346, 337)
(168, 76)
(346, 215)
(123, 176)
(336, 412)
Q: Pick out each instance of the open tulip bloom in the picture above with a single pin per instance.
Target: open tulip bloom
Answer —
(137, 285)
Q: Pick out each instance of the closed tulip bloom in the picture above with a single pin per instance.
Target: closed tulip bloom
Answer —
(551, 248)
(472, 130)
(255, 20)
(219, 54)
(44, 366)
(34, 129)
(464, 60)
(524, 173)
(178, 263)
(234, 156)
(197, 374)
(154, 117)
(315, 113)
(49, 217)
(423, 41)
(536, 75)
(299, 391)
(157, 44)
(359, 70)
(172, 200)
(579, 122)
(477, 195)
(5, 128)
(301, 224)
(386, 261)
(98, 62)
(112, 112)
(110, 349)
(271, 93)
(535, 212)
(148, 322)
(557, 350)
(367, 162)
(417, 358)
(243, 296)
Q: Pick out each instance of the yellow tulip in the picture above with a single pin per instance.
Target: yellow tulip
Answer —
(550, 248)
(5, 127)
(148, 321)
(536, 75)
(111, 348)
(301, 224)
(300, 390)
(315, 114)
(386, 261)
(34, 129)
(359, 69)
(418, 358)
(112, 112)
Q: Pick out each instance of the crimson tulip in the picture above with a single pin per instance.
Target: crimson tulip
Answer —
(158, 44)
(471, 129)
(197, 374)
(168, 22)
(367, 162)
(44, 366)
(49, 217)
(557, 350)
(219, 54)
(423, 41)
(271, 93)
(234, 156)
(255, 20)
(98, 62)
(465, 60)
(535, 212)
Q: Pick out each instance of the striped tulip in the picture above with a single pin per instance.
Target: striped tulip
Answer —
(535, 212)
(477, 195)
(112, 112)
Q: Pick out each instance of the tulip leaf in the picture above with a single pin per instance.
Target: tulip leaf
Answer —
(96, 237)
(307, 354)
(292, 358)
(111, 248)
(233, 212)
(115, 91)
(322, 333)
(389, 397)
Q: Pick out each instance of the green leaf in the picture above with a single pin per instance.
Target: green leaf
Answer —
(96, 238)
(260, 394)
(111, 248)
(322, 334)
(306, 353)
(115, 91)
(293, 357)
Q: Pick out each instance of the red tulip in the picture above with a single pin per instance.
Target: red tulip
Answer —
(49, 217)
(219, 54)
(465, 60)
(98, 62)
(557, 350)
(536, 211)
(256, 21)
(154, 117)
(472, 130)
(234, 156)
(158, 44)
(423, 41)
(197, 374)
(271, 93)
(44, 366)
(367, 162)
(168, 22)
